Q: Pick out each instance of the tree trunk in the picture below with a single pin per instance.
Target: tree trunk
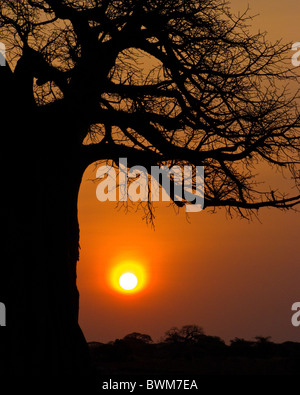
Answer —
(40, 177)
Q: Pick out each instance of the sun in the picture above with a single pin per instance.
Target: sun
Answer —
(128, 281)
(128, 277)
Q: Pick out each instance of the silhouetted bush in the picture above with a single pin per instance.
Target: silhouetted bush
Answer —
(188, 350)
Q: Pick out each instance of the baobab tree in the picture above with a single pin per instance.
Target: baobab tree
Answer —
(154, 81)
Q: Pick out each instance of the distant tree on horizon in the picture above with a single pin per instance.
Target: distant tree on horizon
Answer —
(188, 334)
(159, 82)
(263, 339)
(138, 337)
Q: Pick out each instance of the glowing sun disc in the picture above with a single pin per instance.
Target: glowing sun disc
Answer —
(128, 281)
(128, 277)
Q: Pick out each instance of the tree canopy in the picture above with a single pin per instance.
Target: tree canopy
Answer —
(161, 81)
(188, 334)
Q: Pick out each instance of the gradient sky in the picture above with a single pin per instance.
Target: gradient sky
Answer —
(232, 277)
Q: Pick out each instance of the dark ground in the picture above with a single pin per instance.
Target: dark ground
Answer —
(251, 365)
(209, 356)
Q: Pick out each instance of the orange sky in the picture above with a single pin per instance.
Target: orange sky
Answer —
(232, 277)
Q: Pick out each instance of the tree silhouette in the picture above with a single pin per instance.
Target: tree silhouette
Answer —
(136, 337)
(159, 82)
(188, 334)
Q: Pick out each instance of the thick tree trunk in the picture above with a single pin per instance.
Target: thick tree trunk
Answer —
(40, 178)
